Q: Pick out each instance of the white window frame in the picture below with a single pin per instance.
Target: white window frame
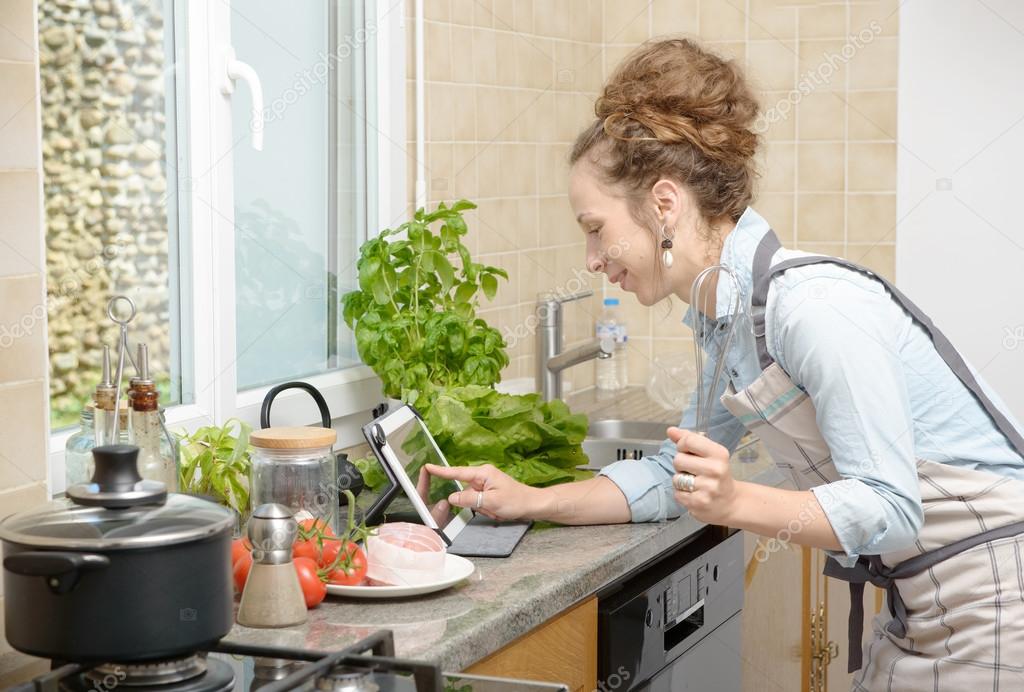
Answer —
(350, 392)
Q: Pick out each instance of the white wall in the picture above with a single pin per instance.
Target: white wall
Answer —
(960, 237)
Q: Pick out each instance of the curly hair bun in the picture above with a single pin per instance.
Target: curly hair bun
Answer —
(674, 107)
(675, 91)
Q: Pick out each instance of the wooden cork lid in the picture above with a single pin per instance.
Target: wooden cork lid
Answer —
(293, 438)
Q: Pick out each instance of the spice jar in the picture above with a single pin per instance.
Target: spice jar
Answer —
(294, 467)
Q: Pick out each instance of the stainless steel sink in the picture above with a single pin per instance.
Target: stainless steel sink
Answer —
(608, 441)
(627, 430)
(612, 440)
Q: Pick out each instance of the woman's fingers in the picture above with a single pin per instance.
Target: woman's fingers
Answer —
(698, 466)
(474, 475)
(468, 498)
(488, 491)
(423, 484)
(440, 513)
(691, 442)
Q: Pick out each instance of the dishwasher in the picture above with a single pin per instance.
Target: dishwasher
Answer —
(674, 623)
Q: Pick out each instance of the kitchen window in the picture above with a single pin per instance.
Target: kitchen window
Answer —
(253, 147)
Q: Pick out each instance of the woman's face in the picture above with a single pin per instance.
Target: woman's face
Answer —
(616, 244)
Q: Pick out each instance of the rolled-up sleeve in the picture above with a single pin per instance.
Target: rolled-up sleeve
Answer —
(647, 482)
(838, 339)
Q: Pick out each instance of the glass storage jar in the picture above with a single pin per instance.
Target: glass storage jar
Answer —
(295, 467)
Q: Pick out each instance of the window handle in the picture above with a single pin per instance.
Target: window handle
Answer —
(236, 69)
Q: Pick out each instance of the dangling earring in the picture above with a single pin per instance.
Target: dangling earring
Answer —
(666, 246)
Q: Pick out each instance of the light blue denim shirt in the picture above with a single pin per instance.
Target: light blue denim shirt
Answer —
(883, 396)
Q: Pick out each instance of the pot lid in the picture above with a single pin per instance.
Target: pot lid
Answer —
(117, 510)
(66, 524)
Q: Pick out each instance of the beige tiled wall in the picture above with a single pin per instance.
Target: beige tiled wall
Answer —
(23, 365)
(510, 82)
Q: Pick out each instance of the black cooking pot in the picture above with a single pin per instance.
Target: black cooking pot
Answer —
(122, 571)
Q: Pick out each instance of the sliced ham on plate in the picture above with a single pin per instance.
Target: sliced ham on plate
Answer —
(405, 554)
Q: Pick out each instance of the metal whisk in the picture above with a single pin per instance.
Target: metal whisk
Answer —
(700, 301)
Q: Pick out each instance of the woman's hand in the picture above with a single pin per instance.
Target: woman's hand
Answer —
(714, 494)
(440, 511)
(501, 496)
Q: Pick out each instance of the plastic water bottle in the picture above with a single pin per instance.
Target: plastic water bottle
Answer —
(611, 372)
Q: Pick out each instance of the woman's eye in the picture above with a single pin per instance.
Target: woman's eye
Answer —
(595, 230)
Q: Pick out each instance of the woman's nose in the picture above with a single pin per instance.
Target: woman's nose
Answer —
(595, 263)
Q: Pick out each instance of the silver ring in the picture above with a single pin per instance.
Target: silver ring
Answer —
(479, 499)
(684, 482)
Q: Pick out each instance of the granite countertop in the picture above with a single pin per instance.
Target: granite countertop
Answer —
(553, 568)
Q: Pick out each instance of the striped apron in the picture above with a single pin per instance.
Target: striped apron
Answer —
(956, 596)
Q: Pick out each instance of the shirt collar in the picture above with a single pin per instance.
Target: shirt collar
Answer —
(737, 254)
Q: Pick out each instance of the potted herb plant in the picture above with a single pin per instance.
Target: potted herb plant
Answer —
(415, 324)
(215, 461)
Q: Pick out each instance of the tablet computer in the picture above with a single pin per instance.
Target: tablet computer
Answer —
(403, 445)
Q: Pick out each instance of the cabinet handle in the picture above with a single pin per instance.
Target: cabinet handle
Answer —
(823, 651)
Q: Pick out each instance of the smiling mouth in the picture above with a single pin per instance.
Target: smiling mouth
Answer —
(617, 279)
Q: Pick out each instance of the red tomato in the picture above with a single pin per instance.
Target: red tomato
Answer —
(239, 546)
(313, 588)
(312, 527)
(313, 533)
(304, 548)
(240, 570)
(328, 554)
(350, 569)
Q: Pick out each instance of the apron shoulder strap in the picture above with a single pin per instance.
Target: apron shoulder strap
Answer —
(763, 271)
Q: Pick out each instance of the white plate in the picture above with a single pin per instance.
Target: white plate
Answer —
(456, 568)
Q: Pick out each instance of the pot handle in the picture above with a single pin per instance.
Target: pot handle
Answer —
(61, 569)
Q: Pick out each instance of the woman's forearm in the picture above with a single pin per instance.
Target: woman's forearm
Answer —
(593, 501)
(791, 515)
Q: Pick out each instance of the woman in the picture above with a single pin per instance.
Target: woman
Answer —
(894, 447)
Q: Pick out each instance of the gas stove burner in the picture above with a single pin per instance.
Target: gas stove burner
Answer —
(190, 674)
(269, 670)
(150, 673)
(348, 679)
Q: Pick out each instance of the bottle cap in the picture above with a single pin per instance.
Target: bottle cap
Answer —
(611, 301)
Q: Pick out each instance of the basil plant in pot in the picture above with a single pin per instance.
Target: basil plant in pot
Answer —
(415, 324)
(215, 462)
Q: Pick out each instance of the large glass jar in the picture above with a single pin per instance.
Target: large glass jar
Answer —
(295, 467)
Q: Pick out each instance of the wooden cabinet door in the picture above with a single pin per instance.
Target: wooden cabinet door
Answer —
(563, 649)
(775, 607)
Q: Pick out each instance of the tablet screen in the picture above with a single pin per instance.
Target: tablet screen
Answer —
(412, 445)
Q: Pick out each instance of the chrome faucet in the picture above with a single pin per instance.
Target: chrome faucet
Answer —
(551, 360)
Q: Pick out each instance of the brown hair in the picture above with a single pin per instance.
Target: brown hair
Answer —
(673, 109)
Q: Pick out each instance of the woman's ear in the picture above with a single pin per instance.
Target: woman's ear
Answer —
(668, 200)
